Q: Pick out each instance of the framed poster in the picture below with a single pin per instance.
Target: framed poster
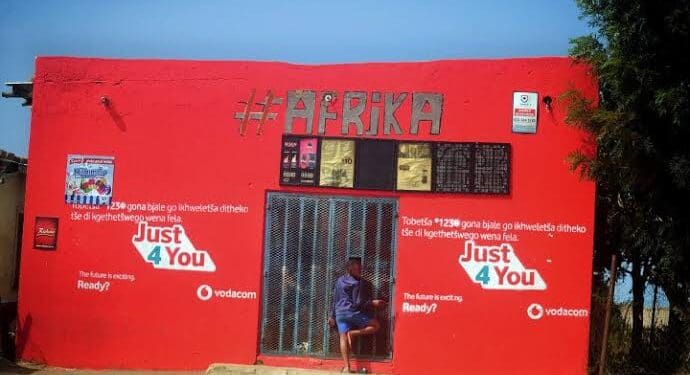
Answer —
(89, 179)
(337, 167)
(414, 166)
(375, 165)
(299, 161)
(454, 168)
(288, 161)
(45, 233)
(308, 161)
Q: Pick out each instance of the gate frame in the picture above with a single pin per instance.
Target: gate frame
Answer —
(394, 199)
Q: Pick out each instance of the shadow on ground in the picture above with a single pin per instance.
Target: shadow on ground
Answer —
(7, 367)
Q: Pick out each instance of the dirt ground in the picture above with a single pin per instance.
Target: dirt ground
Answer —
(7, 367)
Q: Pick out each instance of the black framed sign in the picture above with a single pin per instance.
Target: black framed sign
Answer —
(454, 168)
(375, 167)
(492, 168)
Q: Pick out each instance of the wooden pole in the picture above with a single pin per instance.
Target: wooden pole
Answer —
(651, 331)
(607, 320)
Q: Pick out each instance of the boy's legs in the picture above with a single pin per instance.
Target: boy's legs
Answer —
(344, 326)
(372, 327)
(345, 350)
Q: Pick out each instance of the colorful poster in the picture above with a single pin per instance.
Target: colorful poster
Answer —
(89, 179)
(288, 161)
(299, 161)
(525, 112)
(45, 233)
(337, 163)
(414, 166)
(308, 153)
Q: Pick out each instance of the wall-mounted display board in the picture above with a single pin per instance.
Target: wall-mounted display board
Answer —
(478, 168)
(442, 167)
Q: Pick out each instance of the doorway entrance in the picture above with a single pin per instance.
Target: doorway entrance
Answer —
(307, 241)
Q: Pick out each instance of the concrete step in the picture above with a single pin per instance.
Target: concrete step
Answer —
(230, 369)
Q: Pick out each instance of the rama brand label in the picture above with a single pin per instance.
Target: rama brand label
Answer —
(45, 233)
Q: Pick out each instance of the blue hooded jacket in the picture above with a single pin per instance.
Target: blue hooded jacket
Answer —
(350, 296)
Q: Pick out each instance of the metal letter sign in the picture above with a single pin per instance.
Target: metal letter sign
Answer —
(525, 112)
(358, 107)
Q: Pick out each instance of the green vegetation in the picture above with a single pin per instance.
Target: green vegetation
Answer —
(641, 165)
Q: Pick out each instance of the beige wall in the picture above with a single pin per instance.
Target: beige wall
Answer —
(11, 199)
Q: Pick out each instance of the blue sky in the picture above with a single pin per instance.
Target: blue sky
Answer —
(295, 31)
(311, 32)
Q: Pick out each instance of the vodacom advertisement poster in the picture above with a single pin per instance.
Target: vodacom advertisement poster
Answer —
(206, 209)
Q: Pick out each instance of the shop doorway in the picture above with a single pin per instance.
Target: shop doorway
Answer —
(307, 241)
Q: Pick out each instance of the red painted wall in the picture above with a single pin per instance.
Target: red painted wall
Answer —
(170, 127)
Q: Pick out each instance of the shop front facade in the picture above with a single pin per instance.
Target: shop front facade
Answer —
(182, 213)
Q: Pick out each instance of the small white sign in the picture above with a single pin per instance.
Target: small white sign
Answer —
(525, 106)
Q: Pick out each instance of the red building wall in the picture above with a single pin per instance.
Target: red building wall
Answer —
(171, 129)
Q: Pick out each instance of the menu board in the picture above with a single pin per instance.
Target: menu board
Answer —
(414, 166)
(298, 161)
(337, 163)
(454, 168)
(492, 168)
(375, 167)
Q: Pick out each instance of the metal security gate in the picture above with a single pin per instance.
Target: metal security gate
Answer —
(308, 240)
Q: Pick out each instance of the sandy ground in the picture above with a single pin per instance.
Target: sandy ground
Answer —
(7, 367)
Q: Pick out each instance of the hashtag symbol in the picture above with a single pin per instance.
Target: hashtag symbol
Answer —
(260, 116)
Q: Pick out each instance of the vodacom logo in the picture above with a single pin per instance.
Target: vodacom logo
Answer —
(205, 292)
(536, 311)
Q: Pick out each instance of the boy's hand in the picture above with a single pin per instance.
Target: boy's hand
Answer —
(331, 322)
